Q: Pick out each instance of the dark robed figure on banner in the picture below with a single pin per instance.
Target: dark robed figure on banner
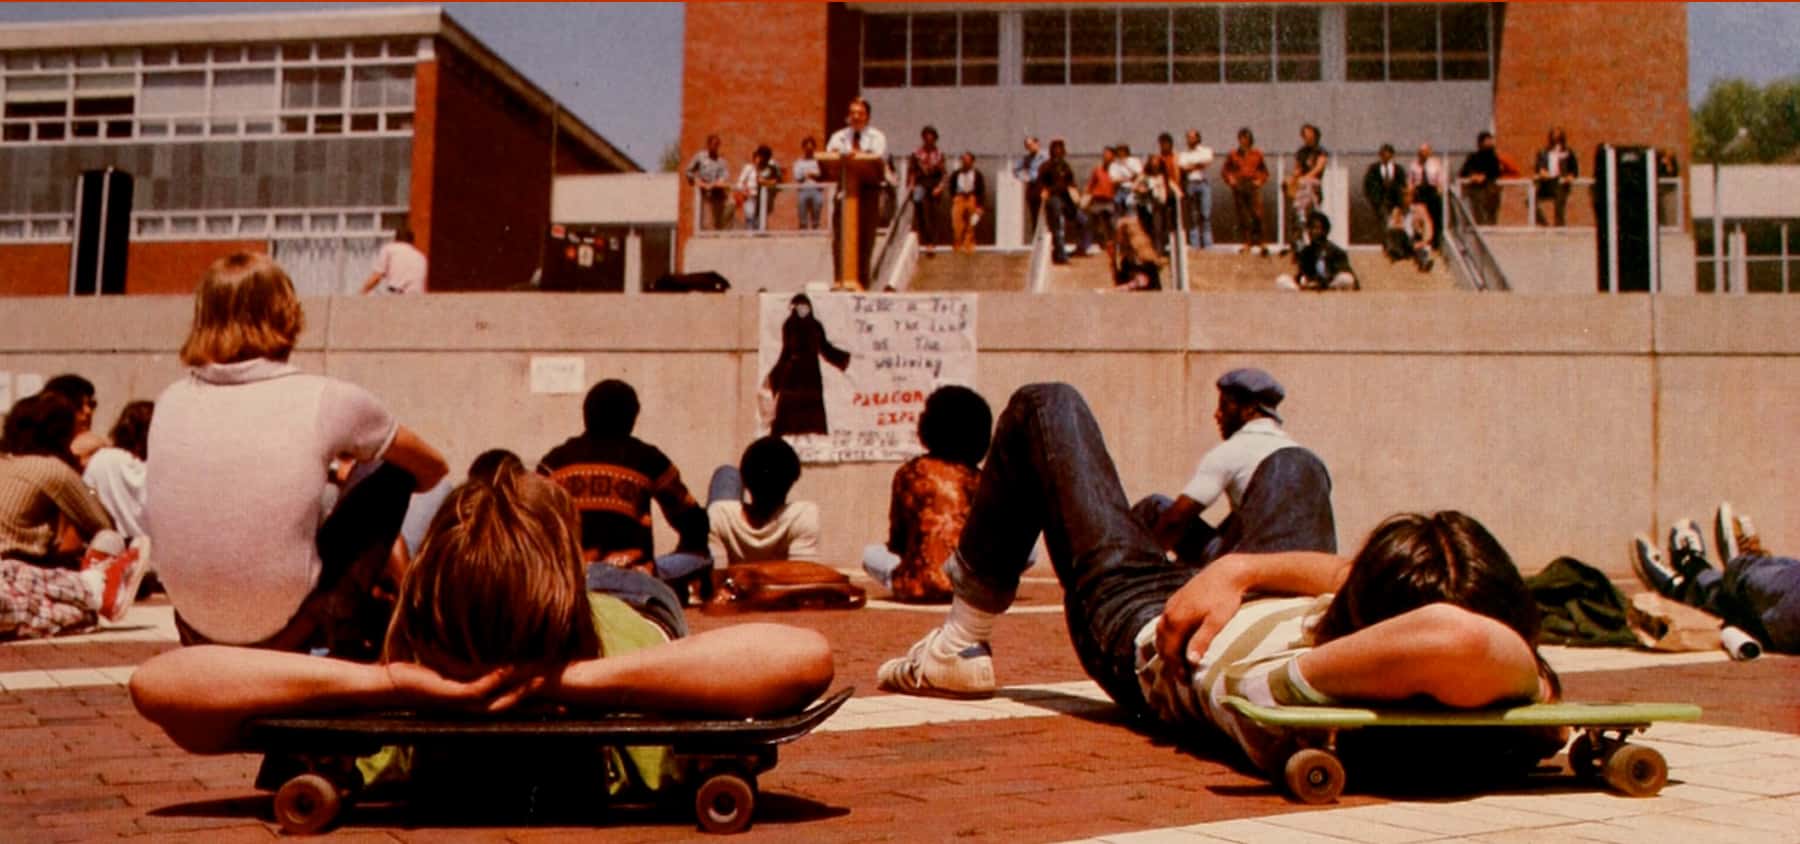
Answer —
(795, 379)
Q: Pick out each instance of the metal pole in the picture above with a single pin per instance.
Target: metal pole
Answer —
(1721, 283)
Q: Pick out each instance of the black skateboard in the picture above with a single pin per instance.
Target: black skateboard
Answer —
(309, 763)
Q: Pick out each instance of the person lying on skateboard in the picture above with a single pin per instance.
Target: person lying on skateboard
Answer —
(1431, 609)
(493, 613)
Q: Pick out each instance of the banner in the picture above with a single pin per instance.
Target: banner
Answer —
(845, 375)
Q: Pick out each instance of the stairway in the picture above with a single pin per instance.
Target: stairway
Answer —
(1211, 271)
(981, 272)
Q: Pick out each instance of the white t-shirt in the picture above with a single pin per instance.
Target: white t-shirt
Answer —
(1198, 157)
(871, 142)
(117, 476)
(1231, 464)
(793, 534)
(235, 487)
(1124, 171)
(402, 268)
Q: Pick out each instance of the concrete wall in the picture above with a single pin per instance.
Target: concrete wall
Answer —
(1565, 423)
(616, 198)
(772, 262)
(1563, 260)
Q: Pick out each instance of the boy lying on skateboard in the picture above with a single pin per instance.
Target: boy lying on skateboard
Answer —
(1431, 608)
(493, 612)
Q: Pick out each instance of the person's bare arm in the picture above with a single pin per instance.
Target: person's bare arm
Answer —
(374, 279)
(1202, 606)
(1450, 654)
(742, 671)
(202, 695)
(416, 456)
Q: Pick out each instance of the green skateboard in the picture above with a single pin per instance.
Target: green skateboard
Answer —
(1313, 773)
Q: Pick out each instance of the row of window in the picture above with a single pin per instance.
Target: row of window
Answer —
(1186, 44)
(248, 223)
(323, 88)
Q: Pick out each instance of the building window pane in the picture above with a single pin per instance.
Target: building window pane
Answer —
(1465, 37)
(365, 87)
(331, 50)
(21, 61)
(1297, 43)
(262, 52)
(980, 48)
(190, 55)
(934, 50)
(90, 58)
(15, 131)
(365, 122)
(400, 121)
(1144, 46)
(330, 90)
(227, 55)
(1094, 47)
(403, 47)
(118, 128)
(36, 85)
(1365, 36)
(297, 87)
(51, 131)
(101, 106)
(1045, 48)
(174, 93)
(1196, 56)
(54, 108)
(1248, 43)
(243, 91)
(104, 82)
(366, 49)
(296, 52)
(328, 124)
(398, 89)
(884, 51)
(1412, 43)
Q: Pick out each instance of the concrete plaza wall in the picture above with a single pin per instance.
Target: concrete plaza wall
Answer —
(1565, 423)
(1548, 260)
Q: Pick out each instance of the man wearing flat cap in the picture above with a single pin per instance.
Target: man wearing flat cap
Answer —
(1280, 492)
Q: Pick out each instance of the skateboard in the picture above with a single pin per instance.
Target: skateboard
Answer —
(309, 763)
(1313, 773)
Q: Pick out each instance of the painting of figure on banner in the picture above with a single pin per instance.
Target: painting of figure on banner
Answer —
(846, 375)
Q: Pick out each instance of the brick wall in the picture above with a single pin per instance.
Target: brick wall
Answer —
(42, 269)
(1608, 72)
(754, 73)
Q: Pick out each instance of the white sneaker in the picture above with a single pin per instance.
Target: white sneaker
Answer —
(929, 671)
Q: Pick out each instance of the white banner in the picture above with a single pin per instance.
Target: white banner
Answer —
(845, 375)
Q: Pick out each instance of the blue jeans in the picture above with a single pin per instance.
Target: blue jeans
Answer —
(1199, 213)
(727, 484)
(1062, 218)
(651, 597)
(880, 564)
(1286, 507)
(812, 207)
(1756, 592)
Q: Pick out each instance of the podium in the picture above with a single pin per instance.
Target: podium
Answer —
(859, 179)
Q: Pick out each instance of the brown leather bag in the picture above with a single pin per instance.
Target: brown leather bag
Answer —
(784, 585)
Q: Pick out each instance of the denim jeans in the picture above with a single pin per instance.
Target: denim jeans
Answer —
(880, 564)
(1049, 473)
(1199, 212)
(1285, 507)
(812, 207)
(652, 598)
(1065, 219)
(727, 484)
(1757, 593)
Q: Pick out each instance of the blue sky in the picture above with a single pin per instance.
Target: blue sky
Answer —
(617, 65)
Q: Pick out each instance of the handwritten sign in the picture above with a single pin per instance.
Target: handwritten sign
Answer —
(845, 375)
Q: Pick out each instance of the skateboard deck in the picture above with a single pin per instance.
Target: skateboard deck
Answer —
(729, 753)
(1600, 750)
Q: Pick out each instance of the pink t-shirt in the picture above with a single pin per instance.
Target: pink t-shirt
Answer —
(235, 490)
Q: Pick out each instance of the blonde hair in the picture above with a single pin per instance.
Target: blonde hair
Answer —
(245, 308)
(499, 581)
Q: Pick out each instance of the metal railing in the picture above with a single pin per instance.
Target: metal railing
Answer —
(1479, 268)
(890, 262)
(765, 212)
(1521, 205)
(1037, 270)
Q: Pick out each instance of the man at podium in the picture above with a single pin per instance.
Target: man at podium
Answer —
(858, 138)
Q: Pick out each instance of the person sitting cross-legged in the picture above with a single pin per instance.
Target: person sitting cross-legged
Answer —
(748, 512)
(1429, 611)
(1756, 592)
(1320, 264)
(931, 497)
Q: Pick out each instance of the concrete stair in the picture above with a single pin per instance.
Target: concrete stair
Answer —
(1210, 270)
(980, 272)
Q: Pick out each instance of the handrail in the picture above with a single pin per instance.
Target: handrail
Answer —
(1037, 272)
(1673, 187)
(886, 259)
(1178, 257)
(765, 195)
(1479, 267)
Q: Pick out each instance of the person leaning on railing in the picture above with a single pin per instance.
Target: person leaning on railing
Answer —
(806, 172)
(1556, 170)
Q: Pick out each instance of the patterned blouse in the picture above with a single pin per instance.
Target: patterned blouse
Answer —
(930, 503)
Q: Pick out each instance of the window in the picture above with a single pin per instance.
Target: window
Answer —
(182, 92)
(884, 51)
(1046, 48)
(1249, 32)
(1144, 46)
(931, 50)
(980, 49)
(1416, 42)
(1297, 44)
(1094, 47)
(243, 91)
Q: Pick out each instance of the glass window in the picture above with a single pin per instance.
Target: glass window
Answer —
(328, 124)
(398, 86)
(330, 90)
(118, 128)
(1045, 48)
(1249, 40)
(1093, 47)
(297, 87)
(51, 131)
(1144, 46)
(90, 58)
(1464, 30)
(158, 56)
(296, 52)
(366, 49)
(190, 55)
(53, 61)
(934, 50)
(331, 50)
(403, 47)
(1365, 43)
(243, 91)
(262, 52)
(1196, 33)
(980, 48)
(1297, 43)
(365, 87)
(1412, 43)
(399, 121)
(884, 51)
(104, 82)
(122, 56)
(15, 132)
(56, 108)
(21, 61)
(36, 85)
(365, 122)
(228, 55)
(182, 92)
(101, 106)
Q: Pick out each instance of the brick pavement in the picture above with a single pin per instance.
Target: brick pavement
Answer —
(1045, 761)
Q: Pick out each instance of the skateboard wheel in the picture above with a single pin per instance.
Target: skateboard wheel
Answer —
(1636, 770)
(1314, 776)
(306, 804)
(724, 804)
(1584, 759)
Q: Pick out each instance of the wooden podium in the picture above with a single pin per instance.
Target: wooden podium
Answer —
(859, 179)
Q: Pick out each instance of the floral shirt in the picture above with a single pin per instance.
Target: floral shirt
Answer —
(930, 503)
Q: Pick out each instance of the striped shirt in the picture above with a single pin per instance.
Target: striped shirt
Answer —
(36, 491)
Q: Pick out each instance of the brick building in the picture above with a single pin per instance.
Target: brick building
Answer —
(986, 74)
(311, 135)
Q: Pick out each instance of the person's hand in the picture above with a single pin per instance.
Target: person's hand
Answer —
(1196, 613)
(494, 691)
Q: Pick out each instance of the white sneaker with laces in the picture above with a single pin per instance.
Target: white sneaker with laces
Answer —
(930, 670)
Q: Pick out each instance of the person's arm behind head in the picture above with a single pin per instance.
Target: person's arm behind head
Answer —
(1441, 651)
(744, 671)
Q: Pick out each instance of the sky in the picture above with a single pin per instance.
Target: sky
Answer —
(618, 65)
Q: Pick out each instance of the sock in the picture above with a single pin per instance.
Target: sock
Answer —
(95, 581)
(966, 627)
